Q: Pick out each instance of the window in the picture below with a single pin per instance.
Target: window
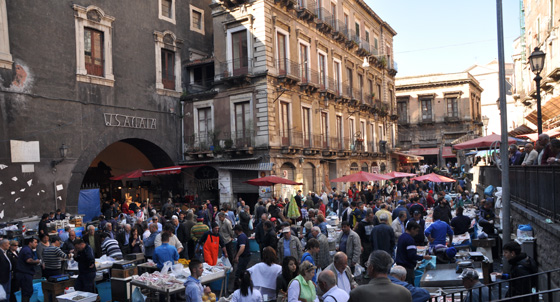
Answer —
(168, 69)
(367, 36)
(197, 19)
(304, 62)
(337, 77)
(282, 47)
(168, 59)
(5, 55)
(372, 131)
(350, 81)
(363, 135)
(242, 122)
(452, 108)
(333, 11)
(306, 112)
(167, 10)
(426, 104)
(378, 94)
(346, 21)
(93, 51)
(375, 45)
(285, 122)
(402, 111)
(320, 9)
(324, 129)
(322, 70)
(240, 58)
(380, 132)
(352, 129)
(339, 132)
(205, 124)
(371, 92)
(361, 87)
(357, 30)
(94, 46)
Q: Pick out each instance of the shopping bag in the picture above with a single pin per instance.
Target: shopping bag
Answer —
(225, 262)
(167, 267)
(428, 263)
(251, 224)
(137, 296)
(358, 270)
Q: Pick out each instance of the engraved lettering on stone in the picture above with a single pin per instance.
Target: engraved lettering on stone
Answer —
(129, 121)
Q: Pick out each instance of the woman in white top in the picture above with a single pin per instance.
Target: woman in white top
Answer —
(246, 292)
(265, 274)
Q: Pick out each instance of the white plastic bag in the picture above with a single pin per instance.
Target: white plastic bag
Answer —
(137, 296)
(177, 270)
(225, 262)
(358, 270)
(167, 267)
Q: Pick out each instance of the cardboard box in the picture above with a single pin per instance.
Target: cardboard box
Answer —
(124, 273)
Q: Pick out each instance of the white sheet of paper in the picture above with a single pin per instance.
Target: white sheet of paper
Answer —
(59, 187)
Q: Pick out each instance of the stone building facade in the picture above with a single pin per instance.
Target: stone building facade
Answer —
(291, 96)
(99, 80)
(434, 110)
(540, 24)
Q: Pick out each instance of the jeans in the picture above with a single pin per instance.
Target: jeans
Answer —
(7, 286)
(26, 283)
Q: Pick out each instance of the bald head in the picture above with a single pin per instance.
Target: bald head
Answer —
(544, 139)
(326, 280)
(528, 147)
(398, 272)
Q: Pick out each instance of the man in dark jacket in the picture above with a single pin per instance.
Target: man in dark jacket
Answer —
(124, 239)
(383, 236)
(27, 261)
(68, 245)
(270, 238)
(244, 219)
(364, 228)
(5, 267)
(259, 231)
(443, 211)
(420, 238)
(181, 233)
(86, 267)
(521, 265)
(92, 238)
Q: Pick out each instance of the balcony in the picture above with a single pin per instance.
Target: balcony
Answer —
(324, 20)
(353, 39)
(288, 70)
(306, 10)
(219, 142)
(290, 4)
(309, 78)
(237, 70)
(340, 30)
(199, 86)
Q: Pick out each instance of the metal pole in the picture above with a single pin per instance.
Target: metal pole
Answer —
(504, 144)
(539, 114)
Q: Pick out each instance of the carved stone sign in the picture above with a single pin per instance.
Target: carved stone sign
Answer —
(128, 121)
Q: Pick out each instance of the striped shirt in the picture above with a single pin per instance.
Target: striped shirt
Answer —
(53, 256)
(110, 247)
(198, 230)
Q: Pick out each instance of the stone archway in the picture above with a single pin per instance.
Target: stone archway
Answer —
(155, 155)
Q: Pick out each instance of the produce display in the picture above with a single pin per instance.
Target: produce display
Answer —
(211, 297)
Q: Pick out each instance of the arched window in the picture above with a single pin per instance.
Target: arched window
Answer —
(354, 168)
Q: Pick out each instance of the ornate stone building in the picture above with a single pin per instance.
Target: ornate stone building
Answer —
(301, 89)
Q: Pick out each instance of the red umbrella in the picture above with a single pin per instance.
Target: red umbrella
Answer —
(482, 142)
(433, 177)
(168, 170)
(395, 174)
(131, 174)
(361, 176)
(271, 181)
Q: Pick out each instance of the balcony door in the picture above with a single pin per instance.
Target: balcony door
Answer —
(306, 126)
(239, 52)
(242, 124)
(282, 53)
(285, 122)
(324, 129)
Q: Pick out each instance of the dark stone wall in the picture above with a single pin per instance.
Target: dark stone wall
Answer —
(47, 104)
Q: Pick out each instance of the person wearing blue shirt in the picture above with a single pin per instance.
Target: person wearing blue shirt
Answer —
(25, 269)
(193, 288)
(312, 248)
(149, 243)
(437, 231)
(165, 252)
(398, 275)
(243, 255)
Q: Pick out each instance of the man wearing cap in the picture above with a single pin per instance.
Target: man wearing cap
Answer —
(478, 291)
(289, 245)
(211, 242)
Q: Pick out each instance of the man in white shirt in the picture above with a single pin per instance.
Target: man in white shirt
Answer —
(531, 155)
(327, 283)
(343, 275)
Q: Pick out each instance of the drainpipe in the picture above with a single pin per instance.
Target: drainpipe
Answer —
(182, 148)
(504, 143)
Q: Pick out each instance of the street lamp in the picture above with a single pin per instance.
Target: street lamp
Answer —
(485, 120)
(63, 152)
(537, 62)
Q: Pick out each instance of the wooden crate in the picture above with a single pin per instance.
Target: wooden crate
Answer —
(53, 289)
(124, 273)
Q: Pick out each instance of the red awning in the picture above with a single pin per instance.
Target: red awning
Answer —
(448, 152)
(128, 175)
(168, 170)
(424, 151)
(271, 181)
(482, 142)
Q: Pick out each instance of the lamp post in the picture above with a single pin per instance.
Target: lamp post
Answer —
(485, 120)
(536, 59)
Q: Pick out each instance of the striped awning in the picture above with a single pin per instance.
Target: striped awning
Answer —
(249, 167)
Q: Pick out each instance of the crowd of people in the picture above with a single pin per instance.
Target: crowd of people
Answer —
(381, 227)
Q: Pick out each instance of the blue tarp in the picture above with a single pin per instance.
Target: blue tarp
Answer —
(89, 204)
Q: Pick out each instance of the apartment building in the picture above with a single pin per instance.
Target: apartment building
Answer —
(301, 89)
(539, 28)
(436, 110)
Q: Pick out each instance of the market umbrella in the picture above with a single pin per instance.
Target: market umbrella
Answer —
(271, 181)
(482, 142)
(131, 174)
(396, 174)
(433, 177)
(361, 176)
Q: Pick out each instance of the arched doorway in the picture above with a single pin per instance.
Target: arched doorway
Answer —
(125, 156)
(288, 170)
(206, 184)
(365, 167)
(308, 178)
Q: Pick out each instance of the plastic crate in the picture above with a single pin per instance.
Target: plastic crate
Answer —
(217, 285)
(37, 291)
(104, 291)
(253, 246)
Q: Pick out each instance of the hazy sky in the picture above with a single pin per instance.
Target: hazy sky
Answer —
(446, 36)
